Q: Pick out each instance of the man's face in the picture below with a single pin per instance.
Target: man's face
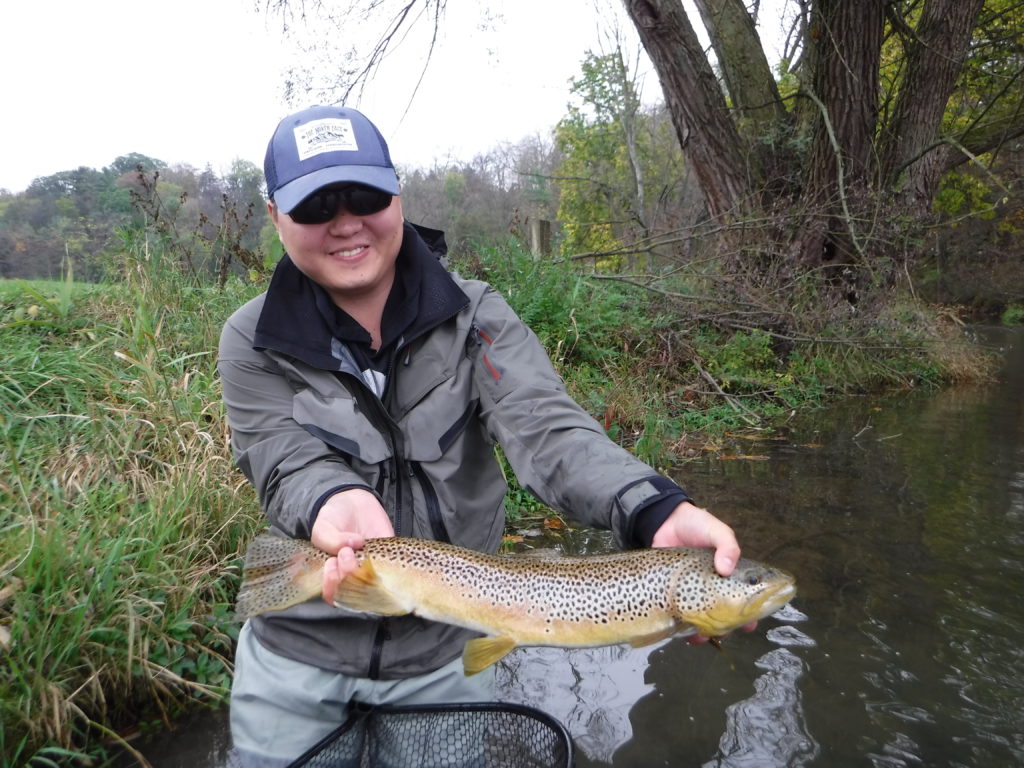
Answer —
(352, 257)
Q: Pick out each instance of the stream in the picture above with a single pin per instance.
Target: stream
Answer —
(902, 517)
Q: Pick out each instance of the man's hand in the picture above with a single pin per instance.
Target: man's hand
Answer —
(345, 521)
(691, 526)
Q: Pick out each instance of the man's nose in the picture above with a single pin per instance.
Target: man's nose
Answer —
(345, 222)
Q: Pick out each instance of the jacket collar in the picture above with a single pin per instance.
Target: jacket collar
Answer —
(300, 320)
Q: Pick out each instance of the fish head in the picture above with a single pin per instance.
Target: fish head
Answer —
(716, 605)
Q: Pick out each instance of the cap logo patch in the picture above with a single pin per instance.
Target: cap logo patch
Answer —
(329, 134)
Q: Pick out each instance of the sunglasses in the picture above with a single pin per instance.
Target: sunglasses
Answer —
(323, 205)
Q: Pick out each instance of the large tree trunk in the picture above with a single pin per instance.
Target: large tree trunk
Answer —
(763, 121)
(694, 99)
(913, 160)
(748, 77)
(844, 93)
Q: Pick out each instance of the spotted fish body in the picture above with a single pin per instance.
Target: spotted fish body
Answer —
(636, 597)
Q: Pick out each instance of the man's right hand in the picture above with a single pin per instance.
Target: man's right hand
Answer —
(342, 526)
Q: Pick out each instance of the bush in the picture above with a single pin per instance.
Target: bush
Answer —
(1013, 315)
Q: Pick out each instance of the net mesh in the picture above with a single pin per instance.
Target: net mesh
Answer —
(450, 736)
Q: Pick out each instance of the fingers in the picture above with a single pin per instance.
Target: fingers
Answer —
(331, 539)
(343, 524)
(347, 519)
(727, 552)
(332, 578)
(691, 526)
(336, 569)
(702, 639)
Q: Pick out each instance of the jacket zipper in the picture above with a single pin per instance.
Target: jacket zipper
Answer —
(437, 526)
(382, 635)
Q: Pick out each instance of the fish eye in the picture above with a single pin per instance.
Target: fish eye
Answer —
(753, 579)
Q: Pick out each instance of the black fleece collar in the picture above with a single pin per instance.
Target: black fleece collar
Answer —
(300, 320)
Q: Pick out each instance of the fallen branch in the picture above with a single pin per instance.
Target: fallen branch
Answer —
(745, 413)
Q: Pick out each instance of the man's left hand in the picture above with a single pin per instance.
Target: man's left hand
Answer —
(691, 526)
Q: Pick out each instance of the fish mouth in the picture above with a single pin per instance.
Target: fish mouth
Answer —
(771, 599)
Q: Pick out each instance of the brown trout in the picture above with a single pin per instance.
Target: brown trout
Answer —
(637, 597)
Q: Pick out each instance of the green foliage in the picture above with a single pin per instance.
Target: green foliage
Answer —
(964, 193)
(741, 362)
(78, 214)
(580, 323)
(586, 203)
(655, 444)
(595, 172)
(621, 170)
(1013, 315)
(57, 302)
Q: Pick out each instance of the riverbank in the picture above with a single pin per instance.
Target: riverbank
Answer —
(124, 520)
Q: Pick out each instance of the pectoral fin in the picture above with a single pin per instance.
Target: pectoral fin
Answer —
(363, 591)
(480, 653)
(649, 639)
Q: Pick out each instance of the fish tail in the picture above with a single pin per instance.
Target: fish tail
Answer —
(279, 573)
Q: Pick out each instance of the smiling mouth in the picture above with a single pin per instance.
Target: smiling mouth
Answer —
(348, 253)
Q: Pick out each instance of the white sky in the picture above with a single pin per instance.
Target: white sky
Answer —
(200, 81)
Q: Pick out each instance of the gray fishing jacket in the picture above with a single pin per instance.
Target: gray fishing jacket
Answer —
(464, 374)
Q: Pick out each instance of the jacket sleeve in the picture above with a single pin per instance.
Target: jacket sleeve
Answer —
(557, 450)
(293, 471)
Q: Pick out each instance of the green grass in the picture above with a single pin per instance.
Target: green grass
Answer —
(123, 518)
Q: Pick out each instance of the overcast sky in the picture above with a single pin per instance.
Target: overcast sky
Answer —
(200, 81)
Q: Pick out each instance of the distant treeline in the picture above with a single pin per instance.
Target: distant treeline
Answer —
(80, 216)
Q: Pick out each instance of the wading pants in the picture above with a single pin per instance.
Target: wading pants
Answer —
(280, 707)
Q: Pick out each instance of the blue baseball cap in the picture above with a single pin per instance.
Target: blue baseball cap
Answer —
(320, 146)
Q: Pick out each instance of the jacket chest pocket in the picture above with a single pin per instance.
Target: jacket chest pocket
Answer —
(439, 419)
(341, 424)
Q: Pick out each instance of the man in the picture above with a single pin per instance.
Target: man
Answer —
(365, 391)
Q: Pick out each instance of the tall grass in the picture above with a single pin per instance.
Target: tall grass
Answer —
(122, 517)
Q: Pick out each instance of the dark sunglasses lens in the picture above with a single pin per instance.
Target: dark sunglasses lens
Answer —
(317, 208)
(323, 206)
(362, 201)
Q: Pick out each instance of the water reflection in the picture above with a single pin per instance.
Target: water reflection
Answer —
(769, 728)
(590, 690)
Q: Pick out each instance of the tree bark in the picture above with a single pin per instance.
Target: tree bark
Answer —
(762, 119)
(694, 99)
(844, 92)
(748, 76)
(913, 161)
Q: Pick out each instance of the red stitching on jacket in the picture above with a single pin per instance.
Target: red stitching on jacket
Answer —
(494, 371)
